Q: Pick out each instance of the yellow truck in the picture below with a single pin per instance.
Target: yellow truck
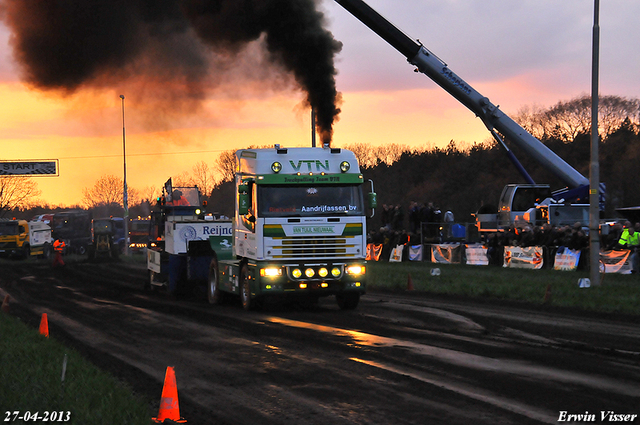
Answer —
(22, 239)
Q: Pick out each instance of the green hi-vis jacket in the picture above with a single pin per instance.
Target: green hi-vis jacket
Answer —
(628, 240)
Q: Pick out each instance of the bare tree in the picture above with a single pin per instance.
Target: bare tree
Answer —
(149, 194)
(183, 179)
(226, 166)
(370, 156)
(203, 177)
(613, 111)
(531, 118)
(16, 192)
(365, 154)
(568, 119)
(108, 190)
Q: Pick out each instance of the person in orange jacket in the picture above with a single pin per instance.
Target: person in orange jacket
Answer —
(58, 247)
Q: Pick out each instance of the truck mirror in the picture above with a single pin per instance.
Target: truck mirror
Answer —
(244, 199)
(244, 202)
(373, 200)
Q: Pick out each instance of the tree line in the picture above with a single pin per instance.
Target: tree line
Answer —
(467, 178)
(460, 177)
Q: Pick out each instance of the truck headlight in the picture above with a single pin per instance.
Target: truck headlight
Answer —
(297, 273)
(323, 272)
(309, 272)
(355, 270)
(271, 272)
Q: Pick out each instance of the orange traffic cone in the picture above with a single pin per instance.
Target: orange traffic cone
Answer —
(547, 294)
(169, 408)
(409, 283)
(5, 304)
(44, 325)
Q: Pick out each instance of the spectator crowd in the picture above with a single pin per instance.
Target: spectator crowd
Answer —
(427, 224)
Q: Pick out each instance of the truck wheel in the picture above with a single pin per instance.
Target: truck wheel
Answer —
(26, 251)
(348, 301)
(215, 295)
(245, 289)
(46, 251)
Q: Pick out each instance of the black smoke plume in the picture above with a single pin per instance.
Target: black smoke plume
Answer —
(66, 45)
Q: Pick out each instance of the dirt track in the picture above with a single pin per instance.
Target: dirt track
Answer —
(401, 359)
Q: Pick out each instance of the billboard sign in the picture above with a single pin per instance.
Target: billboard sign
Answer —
(29, 168)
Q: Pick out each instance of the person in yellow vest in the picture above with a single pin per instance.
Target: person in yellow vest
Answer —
(630, 239)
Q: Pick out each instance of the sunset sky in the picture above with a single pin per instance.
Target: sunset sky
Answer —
(517, 53)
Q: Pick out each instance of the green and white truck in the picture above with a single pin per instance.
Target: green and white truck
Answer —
(298, 231)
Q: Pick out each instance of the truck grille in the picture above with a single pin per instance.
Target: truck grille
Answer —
(318, 247)
(8, 245)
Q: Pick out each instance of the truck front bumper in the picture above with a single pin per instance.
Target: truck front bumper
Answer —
(311, 279)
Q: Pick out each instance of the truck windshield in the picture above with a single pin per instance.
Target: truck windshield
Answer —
(287, 201)
(8, 229)
(185, 196)
(103, 226)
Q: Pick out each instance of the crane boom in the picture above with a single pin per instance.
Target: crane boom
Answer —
(492, 117)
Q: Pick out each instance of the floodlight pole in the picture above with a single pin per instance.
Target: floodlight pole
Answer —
(594, 184)
(125, 195)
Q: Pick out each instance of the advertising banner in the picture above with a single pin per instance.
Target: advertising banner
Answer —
(445, 253)
(616, 261)
(373, 252)
(566, 259)
(396, 254)
(523, 257)
(415, 253)
(476, 255)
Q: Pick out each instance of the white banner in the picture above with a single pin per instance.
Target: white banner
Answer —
(445, 253)
(566, 259)
(476, 255)
(415, 253)
(396, 254)
(523, 257)
(616, 261)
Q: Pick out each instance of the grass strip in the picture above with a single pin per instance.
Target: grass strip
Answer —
(31, 368)
(617, 294)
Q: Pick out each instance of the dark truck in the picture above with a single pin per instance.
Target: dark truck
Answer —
(104, 238)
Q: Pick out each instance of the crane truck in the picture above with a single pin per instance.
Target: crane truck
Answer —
(298, 231)
(534, 201)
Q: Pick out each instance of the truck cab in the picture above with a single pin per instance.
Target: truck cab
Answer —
(22, 239)
(299, 226)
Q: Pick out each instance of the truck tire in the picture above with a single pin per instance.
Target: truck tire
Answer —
(46, 251)
(214, 294)
(245, 289)
(348, 301)
(26, 251)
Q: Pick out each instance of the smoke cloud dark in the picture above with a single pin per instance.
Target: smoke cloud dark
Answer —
(66, 45)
